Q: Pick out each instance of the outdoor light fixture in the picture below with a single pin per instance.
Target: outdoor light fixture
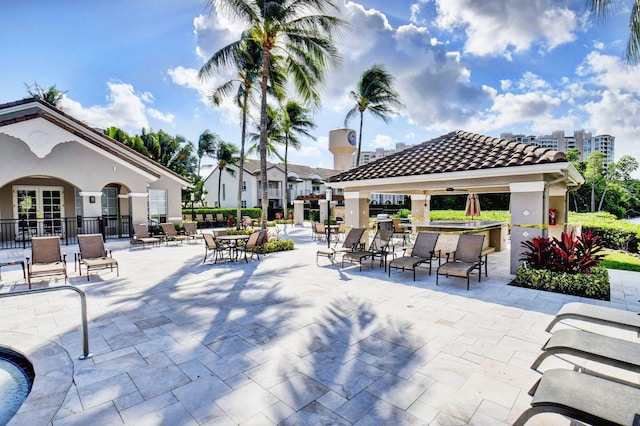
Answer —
(449, 189)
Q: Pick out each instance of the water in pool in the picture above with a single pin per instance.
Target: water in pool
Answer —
(15, 385)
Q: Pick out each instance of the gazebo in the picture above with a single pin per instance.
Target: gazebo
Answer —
(538, 179)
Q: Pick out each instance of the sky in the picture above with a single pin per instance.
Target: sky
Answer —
(483, 66)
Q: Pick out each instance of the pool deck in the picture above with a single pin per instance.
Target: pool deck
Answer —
(285, 341)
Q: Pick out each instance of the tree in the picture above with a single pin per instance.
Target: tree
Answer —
(207, 145)
(375, 93)
(301, 34)
(226, 155)
(52, 95)
(593, 175)
(246, 56)
(295, 121)
(618, 171)
(602, 9)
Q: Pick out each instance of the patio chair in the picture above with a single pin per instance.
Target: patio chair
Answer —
(211, 245)
(351, 242)
(585, 398)
(45, 259)
(591, 346)
(604, 315)
(141, 235)
(379, 247)
(446, 244)
(423, 251)
(466, 258)
(191, 231)
(399, 231)
(93, 255)
(171, 234)
(220, 220)
(318, 231)
(253, 245)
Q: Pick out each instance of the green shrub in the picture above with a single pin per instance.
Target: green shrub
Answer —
(594, 285)
(403, 213)
(615, 234)
(494, 215)
(274, 245)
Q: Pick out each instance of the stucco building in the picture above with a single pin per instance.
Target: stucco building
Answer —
(59, 176)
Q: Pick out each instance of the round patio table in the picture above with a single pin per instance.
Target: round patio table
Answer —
(231, 241)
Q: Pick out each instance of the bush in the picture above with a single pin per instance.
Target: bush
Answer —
(615, 234)
(594, 285)
(567, 265)
(274, 245)
(403, 213)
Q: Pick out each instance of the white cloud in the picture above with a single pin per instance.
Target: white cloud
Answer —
(383, 141)
(214, 31)
(504, 27)
(124, 109)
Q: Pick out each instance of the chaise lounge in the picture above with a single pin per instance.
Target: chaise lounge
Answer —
(423, 252)
(598, 314)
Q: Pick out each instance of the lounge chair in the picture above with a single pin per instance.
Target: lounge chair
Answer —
(446, 245)
(351, 242)
(171, 234)
(93, 255)
(319, 231)
(466, 258)
(379, 247)
(598, 314)
(584, 398)
(191, 231)
(595, 347)
(253, 245)
(399, 231)
(423, 251)
(211, 245)
(45, 259)
(141, 235)
(220, 220)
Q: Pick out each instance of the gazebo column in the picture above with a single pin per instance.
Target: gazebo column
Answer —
(138, 206)
(356, 209)
(420, 207)
(527, 216)
(298, 212)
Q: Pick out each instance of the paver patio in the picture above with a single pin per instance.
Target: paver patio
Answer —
(284, 341)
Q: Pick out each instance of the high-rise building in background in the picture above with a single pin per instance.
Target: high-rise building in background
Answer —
(583, 141)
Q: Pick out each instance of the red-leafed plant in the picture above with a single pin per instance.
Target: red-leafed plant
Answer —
(569, 254)
(539, 254)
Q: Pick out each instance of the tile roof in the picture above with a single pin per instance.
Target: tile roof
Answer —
(304, 172)
(454, 152)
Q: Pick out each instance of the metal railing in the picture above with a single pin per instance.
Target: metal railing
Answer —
(17, 233)
(83, 304)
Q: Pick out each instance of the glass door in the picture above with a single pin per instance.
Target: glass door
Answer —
(39, 210)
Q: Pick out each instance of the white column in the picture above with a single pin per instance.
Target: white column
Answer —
(91, 203)
(527, 216)
(298, 212)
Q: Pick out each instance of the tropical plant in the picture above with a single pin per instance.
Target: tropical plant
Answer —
(207, 145)
(226, 155)
(539, 252)
(246, 56)
(375, 92)
(300, 34)
(52, 95)
(295, 121)
(602, 9)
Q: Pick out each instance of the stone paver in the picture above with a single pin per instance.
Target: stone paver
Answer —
(284, 341)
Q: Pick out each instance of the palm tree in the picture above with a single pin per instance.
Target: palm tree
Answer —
(375, 93)
(52, 95)
(226, 155)
(207, 145)
(301, 34)
(246, 56)
(295, 121)
(602, 8)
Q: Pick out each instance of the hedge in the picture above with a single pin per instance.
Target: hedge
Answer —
(253, 213)
(615, 234)
(594, 285)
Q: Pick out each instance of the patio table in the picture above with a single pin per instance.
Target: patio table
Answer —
(231, 241)
(13, 262)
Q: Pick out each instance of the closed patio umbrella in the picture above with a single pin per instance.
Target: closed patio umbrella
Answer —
(473, 206)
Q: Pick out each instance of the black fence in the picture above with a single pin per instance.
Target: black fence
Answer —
(17, 233)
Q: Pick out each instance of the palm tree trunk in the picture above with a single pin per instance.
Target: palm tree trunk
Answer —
(286, 177)
(359, 139)
(263, 138)
(241, 168)
(593, 197)
(219, 186)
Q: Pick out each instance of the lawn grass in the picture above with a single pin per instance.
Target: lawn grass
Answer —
(620, 260)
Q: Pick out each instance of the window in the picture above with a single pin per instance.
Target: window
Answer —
(79, 207)
(243, 204)
(158, 205)
(244, 185)
(224, 192)
(109, 201)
